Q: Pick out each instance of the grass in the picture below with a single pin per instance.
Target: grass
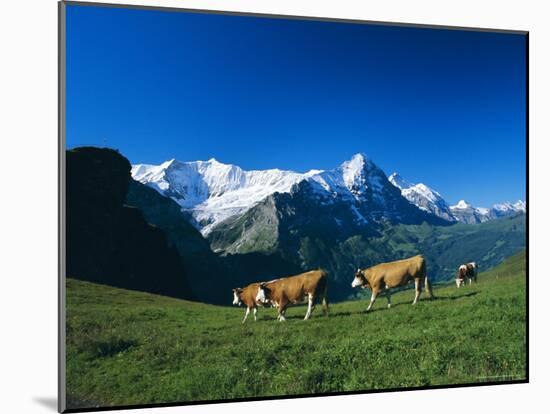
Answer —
(127, 347)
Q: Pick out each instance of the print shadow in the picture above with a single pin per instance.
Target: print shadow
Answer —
(48, 402)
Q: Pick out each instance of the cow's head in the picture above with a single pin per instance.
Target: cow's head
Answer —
(360, 279)
(237, 296)
(263, 294)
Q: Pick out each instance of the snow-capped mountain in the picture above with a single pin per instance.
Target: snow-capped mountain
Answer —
(213, 191)
(423, 197)
(466, 213)
(354, 198)
(358, 179)
(430, 200)
(505, 209)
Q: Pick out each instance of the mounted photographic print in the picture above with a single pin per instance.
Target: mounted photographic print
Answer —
(257, 207)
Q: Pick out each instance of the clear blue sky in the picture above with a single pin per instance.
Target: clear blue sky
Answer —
(439, 106)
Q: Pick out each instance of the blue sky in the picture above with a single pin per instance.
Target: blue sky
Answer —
(443, 107)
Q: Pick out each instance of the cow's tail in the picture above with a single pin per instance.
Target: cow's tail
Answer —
(429, 287)
(427, 283)
(324, 290)
(325, 305)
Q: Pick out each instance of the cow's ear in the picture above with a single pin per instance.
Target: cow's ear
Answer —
(262, 285)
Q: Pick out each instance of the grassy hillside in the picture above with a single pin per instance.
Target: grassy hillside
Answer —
(129, 347)
(511, 267)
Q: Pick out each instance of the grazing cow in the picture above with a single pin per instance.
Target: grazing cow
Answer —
(384, 276)
(295, 289)
(247, 296)
(466, 271)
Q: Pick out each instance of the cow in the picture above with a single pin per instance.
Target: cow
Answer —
(295, 289)
(466, 271)
(247, 296)
(385, 276)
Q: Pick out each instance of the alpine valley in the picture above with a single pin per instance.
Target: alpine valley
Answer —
(231, 227)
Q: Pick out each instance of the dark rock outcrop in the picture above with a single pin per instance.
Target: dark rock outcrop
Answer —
(109, 242)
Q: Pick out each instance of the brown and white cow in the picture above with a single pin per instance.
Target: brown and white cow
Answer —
(466, 271)
(385, 276)
(247, 296)
(295, 289)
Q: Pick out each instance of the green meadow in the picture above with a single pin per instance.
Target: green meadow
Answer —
(126, 347)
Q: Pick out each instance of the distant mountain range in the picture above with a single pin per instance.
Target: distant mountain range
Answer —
(213, 192)
(431, 201)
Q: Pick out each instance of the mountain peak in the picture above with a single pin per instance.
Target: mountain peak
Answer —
(422, 196)
(355, 172)
(510, 207)
(520, 205)
(355, 163)
(168, 163)
(399, 181)
(462, 204)
(359, 157)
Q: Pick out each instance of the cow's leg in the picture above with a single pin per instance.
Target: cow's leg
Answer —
(457, 283)
(417, 290)
(388, 296)
(246, 314)
(373, 297)
(282, 310)
(470, 281)
(309, 306)
(255, 313)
